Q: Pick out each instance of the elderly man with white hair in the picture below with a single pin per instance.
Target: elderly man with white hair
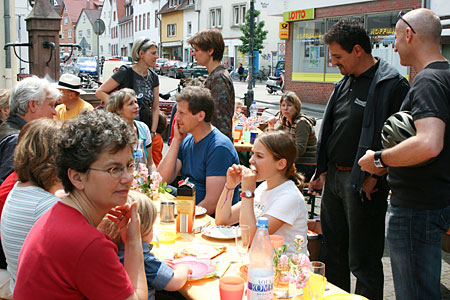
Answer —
(31, 99)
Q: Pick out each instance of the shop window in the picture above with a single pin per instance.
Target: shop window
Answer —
(381, 28)
(309, 57)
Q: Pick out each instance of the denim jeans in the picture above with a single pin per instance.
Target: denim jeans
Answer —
(353, 235)
(415, 241)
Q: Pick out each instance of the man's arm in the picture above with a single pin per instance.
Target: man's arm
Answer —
(426, 144)
(214, 187)
(170, 165)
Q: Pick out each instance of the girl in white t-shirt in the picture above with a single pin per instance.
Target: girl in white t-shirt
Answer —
(278, 198)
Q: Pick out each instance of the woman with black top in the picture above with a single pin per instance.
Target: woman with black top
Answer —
(141, 78)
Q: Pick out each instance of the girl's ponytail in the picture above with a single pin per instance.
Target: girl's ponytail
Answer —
(297, 178)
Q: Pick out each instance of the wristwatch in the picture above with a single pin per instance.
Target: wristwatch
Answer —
(378, 161)
(248, 194)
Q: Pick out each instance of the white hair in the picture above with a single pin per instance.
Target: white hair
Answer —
(31, 88)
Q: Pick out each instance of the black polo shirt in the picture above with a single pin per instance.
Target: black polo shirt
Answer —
(347, 118)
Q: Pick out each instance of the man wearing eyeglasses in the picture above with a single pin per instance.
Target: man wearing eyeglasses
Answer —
(420, 201)
(354, 202)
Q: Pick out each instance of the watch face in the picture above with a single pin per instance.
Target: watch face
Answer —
(248, 194)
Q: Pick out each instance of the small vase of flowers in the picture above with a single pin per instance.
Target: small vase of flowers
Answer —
(149, 184)
(290, 268)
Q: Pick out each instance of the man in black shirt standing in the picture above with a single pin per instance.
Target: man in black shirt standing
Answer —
(418, 166)
(354, 203)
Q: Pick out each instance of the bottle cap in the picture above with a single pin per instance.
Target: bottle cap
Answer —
(254, 102)
(262, 222)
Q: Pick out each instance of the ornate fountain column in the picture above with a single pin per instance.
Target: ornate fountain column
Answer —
(43, 25)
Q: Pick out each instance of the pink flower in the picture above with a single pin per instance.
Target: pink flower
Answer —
(284, 260)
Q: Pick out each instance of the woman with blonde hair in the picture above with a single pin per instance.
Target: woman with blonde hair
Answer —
(4, 105)
(301, 127)
(124, 104)
(141, 78)
(33, 194)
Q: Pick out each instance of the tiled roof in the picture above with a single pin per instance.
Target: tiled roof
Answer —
(74, 8)
(166, 9)
(92, 14)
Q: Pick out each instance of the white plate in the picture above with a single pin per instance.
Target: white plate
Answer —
(219, 232)
(200, 210)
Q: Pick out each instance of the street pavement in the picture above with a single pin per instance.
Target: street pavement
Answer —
(263, 98)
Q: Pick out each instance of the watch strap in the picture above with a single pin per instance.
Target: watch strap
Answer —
(378, 161)
(247, 194)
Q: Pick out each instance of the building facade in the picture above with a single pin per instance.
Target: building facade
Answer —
(309, 71)
(86, 37)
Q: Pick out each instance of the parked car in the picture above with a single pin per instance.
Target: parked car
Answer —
(165, 67)
(279, 68)
(159, 63)
(87, 65)
(199, 71)
(177, 70)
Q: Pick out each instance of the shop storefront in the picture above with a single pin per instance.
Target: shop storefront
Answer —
(309, 70)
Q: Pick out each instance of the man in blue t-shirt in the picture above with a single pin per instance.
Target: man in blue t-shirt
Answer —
(198, 149)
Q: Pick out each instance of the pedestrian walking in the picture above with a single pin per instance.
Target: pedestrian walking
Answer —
(141, 78)
(420, 201)
(354, 204)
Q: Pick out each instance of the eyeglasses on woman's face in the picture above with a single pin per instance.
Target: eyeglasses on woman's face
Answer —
(400, 17)
(117, 172)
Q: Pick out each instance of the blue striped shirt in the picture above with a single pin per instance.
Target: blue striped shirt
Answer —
(23, 207)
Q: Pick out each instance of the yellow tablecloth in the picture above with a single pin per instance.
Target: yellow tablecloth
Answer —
(208, 288)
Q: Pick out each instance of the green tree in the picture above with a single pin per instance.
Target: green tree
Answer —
(258, 37)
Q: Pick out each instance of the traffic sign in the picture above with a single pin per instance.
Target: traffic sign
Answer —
(99, 27)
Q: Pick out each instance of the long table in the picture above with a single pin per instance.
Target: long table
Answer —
(209, 288)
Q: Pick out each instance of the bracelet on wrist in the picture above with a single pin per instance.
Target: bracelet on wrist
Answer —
(227, 188)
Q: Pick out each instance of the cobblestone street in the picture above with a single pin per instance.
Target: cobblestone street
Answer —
(389, 293)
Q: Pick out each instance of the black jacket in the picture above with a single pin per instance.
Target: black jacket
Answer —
(9, 131)
(386, 94)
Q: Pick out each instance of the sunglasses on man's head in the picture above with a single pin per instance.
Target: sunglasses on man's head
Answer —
(400, 17)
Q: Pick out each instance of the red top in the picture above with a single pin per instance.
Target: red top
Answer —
(5, 188)
(64, 257)
(157, 147)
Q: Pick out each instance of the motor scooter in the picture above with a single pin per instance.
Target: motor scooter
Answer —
(275, 84)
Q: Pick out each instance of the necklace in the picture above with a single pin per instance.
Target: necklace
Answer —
(81, 210)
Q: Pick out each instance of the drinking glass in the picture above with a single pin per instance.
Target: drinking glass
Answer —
(317, 280)
(242, 238)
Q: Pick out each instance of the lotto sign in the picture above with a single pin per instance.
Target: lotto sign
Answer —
(284, 30)
(298, 15)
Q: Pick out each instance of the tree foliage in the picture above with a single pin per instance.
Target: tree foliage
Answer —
(259, 34)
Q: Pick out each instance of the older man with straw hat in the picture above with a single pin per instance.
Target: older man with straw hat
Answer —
(71, 105)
